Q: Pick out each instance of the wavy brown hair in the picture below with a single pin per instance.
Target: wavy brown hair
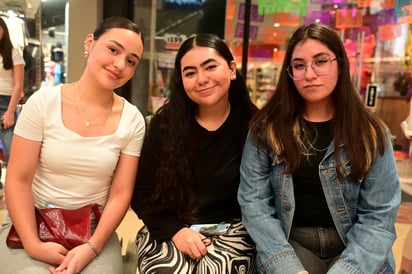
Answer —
(279, 123)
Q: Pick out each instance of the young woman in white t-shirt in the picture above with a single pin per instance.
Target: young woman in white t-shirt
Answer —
(73, 145)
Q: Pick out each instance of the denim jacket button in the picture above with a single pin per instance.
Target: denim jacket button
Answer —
(288, 207)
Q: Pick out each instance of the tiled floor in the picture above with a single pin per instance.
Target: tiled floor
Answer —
(131, 224)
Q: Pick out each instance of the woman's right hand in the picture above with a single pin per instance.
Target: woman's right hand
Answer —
(48, 252)
(190, 242)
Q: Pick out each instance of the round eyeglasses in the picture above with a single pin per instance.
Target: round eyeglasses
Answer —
(320, 65)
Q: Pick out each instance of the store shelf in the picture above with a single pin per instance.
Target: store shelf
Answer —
(261, 82)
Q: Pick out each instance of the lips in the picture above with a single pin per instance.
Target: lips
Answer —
(206, 90)
(113, 74)
(311, 86)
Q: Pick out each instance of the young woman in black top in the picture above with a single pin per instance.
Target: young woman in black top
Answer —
(189, 167)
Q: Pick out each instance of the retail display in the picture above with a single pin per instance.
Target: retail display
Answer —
(261, 82)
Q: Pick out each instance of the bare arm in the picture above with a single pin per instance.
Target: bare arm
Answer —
(23, 160)
(18, 78)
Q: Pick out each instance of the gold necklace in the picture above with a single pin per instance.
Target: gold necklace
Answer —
(88, 122)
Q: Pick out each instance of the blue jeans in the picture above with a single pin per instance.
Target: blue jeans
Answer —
(317, 247)
(5, 134)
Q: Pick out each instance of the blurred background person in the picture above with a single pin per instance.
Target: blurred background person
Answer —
(11, 88)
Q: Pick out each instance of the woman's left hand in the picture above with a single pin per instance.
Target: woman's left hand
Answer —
(191, 243)
(75, 260)
(7, 120)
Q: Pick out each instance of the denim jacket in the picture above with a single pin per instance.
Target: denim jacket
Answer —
(364, 212)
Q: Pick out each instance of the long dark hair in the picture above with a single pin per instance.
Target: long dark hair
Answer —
(174, 180)
(116, 22)
(361, 132)
(6, 47)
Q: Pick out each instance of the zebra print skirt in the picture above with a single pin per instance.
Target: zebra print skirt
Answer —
(232, 253)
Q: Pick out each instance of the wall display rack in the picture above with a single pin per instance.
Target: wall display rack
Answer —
(261, 82)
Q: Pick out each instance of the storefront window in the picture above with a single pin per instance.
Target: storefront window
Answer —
(175, 21)
(376, 35)
(37, 28)
(54, 41)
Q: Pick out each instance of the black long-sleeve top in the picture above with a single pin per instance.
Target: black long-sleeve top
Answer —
(218, 155)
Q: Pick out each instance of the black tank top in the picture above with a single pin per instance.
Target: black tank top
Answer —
(311, 207)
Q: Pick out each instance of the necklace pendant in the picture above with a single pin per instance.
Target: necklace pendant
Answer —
(87, 123)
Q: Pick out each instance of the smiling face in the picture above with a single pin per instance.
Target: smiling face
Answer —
(206, 76)
(113, 58)
(315, 88)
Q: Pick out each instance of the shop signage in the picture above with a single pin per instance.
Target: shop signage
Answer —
(330, 2)
(376, 3)
(253, 31)
(229, 27)
(230, 9)
(173, 41)
(383, 17)
(389, 32)
(318, 16)
(371, 95)
(254, 15)
(278, 56)
(349, 18)
(275, 36)
(294, 6)
(286, 19)
(399, 7)
(406, 17)
(368, 46)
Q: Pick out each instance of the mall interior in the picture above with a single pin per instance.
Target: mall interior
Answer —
(377, 35)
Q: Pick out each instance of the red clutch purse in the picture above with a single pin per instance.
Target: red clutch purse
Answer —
(69, 228)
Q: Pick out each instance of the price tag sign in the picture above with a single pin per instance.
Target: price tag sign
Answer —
(371, 95)
(174, 41)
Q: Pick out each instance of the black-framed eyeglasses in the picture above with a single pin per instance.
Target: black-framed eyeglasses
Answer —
(320, 65)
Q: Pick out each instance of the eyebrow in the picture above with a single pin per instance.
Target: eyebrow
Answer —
(204, 63)
(121, 46)
(315, 56)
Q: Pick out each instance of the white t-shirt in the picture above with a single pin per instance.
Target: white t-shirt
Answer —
(6, 76)
(74, 170)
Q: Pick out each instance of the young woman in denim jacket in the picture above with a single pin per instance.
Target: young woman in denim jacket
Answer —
(319, 188)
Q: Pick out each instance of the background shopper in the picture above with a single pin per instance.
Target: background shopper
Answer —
(73, 145)
(319, 188)
(189, 169)
(406, 261)
(11, 88)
